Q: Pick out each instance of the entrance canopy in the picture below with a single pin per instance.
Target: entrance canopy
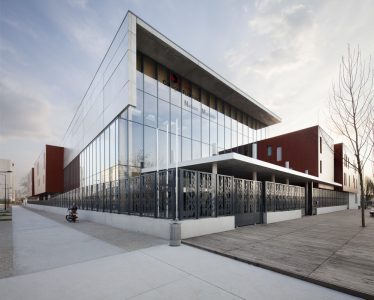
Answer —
(242, 166)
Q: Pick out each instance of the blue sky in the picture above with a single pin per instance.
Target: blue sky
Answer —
(285, 54)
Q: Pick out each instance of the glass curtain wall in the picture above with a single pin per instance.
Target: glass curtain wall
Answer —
(207, 125)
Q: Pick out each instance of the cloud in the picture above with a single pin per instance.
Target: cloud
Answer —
(284, 31)
(27, 112)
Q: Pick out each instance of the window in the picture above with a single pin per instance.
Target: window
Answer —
(269, 151)
(279, 153)
(320, 144)
(186, 149)
(345, 179)
(163, 114)
(320, 166)
(150, 110)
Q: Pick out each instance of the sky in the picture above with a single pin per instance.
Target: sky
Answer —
(285, 54)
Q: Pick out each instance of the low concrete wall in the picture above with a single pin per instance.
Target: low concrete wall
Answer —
(156, 227)
(279, 216)
(198, 227)
(152, 226)
(329, 209)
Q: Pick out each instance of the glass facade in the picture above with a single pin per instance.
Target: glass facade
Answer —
(207, 126)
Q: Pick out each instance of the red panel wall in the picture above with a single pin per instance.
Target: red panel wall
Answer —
(54, 169)
(338, 163)
(300, 148)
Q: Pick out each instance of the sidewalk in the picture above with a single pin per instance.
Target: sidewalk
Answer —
(54, 260)
(332, 250)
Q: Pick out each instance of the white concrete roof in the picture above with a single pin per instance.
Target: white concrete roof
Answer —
(154, 44)
(240, 166)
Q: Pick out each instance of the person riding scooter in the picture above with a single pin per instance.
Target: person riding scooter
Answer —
(73, 215)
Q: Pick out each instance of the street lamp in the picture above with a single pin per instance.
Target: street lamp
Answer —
(4, 174)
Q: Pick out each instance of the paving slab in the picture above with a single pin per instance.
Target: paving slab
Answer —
(101, 265)
(331, 249)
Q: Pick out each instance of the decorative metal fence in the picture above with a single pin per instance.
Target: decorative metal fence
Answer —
(323, 198)
(248, 196)
(281, 197)
(200, 195)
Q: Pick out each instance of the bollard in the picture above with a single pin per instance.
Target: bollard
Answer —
(175, 234)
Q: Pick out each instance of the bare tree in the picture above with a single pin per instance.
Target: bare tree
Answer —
(352, 110)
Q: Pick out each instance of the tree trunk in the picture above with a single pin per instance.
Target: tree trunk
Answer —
(362, 196)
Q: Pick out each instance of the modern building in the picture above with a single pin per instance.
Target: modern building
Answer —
(312, 150)
(345, 172)
(309, 150)
(30, 184)
(48, 173)
(7, 179)
(159, 134)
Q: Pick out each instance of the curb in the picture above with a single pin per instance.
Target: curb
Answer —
(288, 273)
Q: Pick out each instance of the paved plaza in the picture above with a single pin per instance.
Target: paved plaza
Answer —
(331, 249)
(48, 258)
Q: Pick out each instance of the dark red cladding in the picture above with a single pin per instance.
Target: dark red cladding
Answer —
(299, 148)
(54, 169)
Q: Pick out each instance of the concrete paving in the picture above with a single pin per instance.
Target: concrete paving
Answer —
(332, 249)
(56, 260)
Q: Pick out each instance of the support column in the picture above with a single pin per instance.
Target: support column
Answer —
(214, 168)
(287, 181)
(272, 177)
(254, 175)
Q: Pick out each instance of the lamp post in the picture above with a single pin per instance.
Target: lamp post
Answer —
(4, 174)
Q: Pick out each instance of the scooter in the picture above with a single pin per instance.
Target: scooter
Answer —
(71, 216)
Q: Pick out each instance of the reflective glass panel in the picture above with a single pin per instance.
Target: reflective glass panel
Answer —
(139, 80)
(163, 149)
(221, 136)
(175, 155)
(196, 107)
(186, 102)
(196, 127)
(205, 111)
(175, 116)
(150, 85)
(186, 123)
(175, 97)
(122, 141)
(163, 114)
(135, 144)
(136, 113)
(186, 149)
(234, 139)
(227, 138)
(150, 110)
(204, 130)
(163, 92)
(196, 150)
(149, 147)
(204, 150)
(213, 138)
(113, 145)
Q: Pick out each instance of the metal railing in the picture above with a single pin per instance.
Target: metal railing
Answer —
(200, 195)
(324, 198)
(281, 197)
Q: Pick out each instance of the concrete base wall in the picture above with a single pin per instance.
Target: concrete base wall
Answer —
(198, 227)
(329, 209)
(155, 227)
(354, 201)
(279, 216)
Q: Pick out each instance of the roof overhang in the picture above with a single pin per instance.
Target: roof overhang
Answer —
(152, 43)
(242, 167)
